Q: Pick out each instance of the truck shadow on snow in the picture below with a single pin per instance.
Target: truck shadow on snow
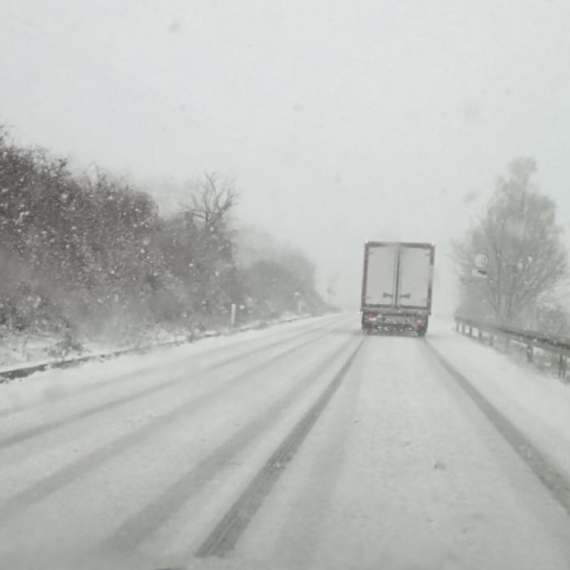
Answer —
(401, 334)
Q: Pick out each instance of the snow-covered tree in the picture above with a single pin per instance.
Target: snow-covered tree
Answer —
(521, 239)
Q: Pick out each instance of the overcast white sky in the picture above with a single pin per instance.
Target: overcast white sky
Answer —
(341, 121)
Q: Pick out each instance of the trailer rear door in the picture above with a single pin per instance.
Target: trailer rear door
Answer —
(415, 274)
(380, 279)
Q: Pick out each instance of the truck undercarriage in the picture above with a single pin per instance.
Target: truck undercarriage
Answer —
(395, 322)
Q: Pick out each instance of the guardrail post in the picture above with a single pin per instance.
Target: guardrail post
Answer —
(470, 331)
(462, 328)
(491, 340)
(529, 353)
(562, 365)
(480, 335)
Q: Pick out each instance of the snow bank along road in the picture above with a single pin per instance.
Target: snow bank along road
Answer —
(304, 446)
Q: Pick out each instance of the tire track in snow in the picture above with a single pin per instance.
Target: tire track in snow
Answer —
(225, 535)
(26, 498)
(41, 429)
(130, 375)
(146, 522)
(557, 484)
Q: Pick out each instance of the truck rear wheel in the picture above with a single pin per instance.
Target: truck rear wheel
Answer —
(422, 328)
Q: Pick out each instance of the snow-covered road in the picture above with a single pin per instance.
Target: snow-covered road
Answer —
(306, 445)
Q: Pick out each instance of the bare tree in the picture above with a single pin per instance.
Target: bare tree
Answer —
(212, 199)
(521, 239)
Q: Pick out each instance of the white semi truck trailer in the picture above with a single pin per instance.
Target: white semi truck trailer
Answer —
(397, 286)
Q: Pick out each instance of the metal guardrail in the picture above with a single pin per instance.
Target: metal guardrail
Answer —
(556, 345)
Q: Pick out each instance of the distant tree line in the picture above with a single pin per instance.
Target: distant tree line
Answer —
(91, 254)
(521, 279)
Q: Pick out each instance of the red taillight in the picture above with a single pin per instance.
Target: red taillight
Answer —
(370, 318)
(421, 321)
